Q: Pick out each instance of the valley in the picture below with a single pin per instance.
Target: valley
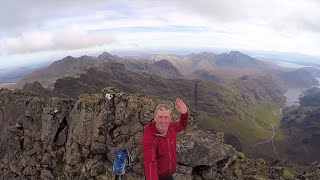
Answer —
(7, 85)
(256, 105)
(80, 81)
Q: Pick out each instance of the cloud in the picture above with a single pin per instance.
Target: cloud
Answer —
(44, 25)
(72, 37)
(17, 15)
(285, 14)
(27, 42)
(76, 38)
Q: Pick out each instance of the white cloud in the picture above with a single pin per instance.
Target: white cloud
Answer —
(45, 25)
(27, 42)
(284, 14)
(76, 38)
(17, 15)
(72, 37)
(241, 37)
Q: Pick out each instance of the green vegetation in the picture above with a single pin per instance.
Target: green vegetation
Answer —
(93, 99)
(302, 125)
(251, 125)
(59, 169)
(288, 175)
(101, 170)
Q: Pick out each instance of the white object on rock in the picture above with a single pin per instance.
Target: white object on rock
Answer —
(18, 125)
(108, 96)
(55, 111)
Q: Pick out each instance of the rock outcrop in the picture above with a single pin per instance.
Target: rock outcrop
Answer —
(31, 128)
(58, 138)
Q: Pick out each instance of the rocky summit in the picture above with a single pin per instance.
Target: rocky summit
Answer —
(60, 138)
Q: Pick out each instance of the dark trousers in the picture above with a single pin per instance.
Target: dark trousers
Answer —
(166, 178)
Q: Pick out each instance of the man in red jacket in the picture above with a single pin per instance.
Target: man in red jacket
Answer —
(159, 142)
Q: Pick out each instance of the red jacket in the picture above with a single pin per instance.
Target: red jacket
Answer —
(159, 151)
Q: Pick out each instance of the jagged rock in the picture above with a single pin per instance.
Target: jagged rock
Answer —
(275, 172)
(311, 172)
(46, 174)
(98, 169)
(77, 140)
(54, 118)
(182, 176)
(16, 167)
(199, 143)
(46, 160)
(29, 171)
(61, 138)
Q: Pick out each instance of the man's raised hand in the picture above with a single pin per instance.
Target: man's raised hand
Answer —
(181, 107)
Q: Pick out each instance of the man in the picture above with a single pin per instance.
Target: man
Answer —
(159, 142)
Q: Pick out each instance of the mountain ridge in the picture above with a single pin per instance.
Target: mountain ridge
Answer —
(68, 139)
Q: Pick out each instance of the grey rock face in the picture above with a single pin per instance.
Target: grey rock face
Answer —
(56, 138)
(28, 132)
(98, 126)
(199, 143)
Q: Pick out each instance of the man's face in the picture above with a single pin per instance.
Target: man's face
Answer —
(162, 119)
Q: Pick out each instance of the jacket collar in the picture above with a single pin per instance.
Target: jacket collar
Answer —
(151, 128)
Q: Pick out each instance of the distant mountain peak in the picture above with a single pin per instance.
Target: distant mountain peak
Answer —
(238, 59)
(165, 68)
(204, 53)
(164, 64)
(207, 53)
(105, 55)
(236, 52)
(201, 56)
(68, 58)
(160, 57)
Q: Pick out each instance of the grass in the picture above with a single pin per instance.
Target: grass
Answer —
(288, 175)
(59, 169)
(251, 125)
(92, 99)
(101, 170)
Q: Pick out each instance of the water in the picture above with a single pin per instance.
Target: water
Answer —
(318, 78)
(293, 95)
(290, 65)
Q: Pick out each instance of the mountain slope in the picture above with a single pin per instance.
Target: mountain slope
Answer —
(203, 61)
(237, 59)
(297, 78)
(164, 69)
(68, 66)
(244, 110)
(181, 63)
(303, 127)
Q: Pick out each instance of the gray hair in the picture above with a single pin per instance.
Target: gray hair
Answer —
(162, 107)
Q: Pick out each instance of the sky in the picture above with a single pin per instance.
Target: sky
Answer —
(36, 31)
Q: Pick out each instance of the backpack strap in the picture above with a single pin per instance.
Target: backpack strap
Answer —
(130, 160)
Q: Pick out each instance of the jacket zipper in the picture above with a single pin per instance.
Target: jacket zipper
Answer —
(160, 135)
(169, 153)
(152, 159)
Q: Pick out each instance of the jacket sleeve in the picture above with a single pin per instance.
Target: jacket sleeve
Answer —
(149, 157)
(181, 124)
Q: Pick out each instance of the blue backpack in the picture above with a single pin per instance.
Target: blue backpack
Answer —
(121, 162)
